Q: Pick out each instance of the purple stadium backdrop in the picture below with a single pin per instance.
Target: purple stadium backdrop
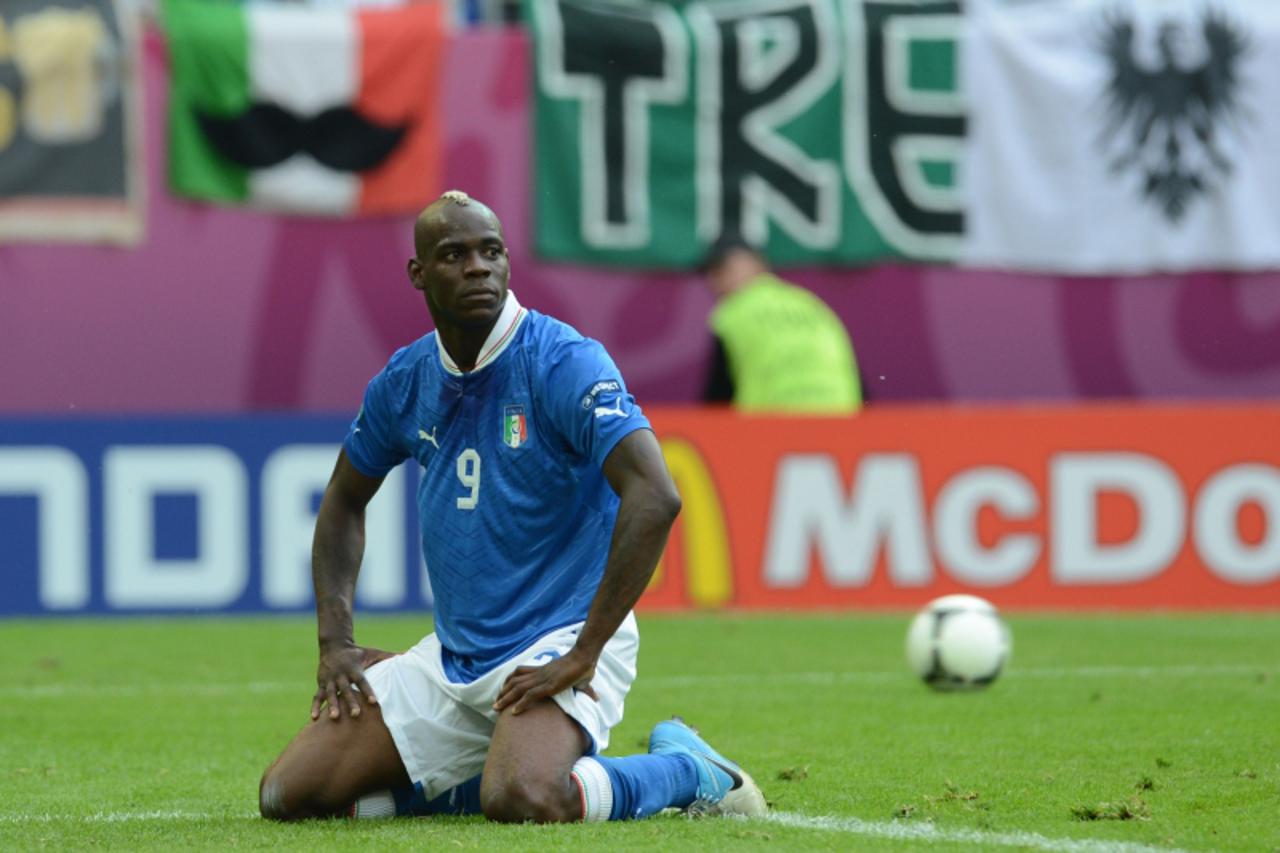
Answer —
(226, 311)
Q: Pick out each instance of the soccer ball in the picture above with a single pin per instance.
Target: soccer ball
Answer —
(958, 642)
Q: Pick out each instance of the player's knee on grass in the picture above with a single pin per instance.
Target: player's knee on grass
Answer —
(512, 800)
(271, 796)
(328, 766)
(285, 799)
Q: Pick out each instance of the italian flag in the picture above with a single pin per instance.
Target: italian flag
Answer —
(294, 109)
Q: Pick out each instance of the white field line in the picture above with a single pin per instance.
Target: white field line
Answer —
(119, 817)
(894, 831)
(728, 679)
(928, 833)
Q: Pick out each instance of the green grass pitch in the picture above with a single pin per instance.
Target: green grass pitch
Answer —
(1107, 733)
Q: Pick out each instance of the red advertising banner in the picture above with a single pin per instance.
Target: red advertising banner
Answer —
(1124, 506)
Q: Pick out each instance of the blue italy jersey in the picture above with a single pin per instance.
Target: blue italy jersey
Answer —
(515, 511)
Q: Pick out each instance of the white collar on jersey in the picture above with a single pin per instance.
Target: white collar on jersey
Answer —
(500, 337)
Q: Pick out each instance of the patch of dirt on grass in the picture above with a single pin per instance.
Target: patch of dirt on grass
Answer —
(1133, 808)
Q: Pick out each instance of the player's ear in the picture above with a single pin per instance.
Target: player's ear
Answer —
(415, 274)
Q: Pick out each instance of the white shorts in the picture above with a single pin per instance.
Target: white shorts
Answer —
(442, 729)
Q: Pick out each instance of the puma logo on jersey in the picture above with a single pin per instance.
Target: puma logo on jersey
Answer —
(422, 434)
(616, 410)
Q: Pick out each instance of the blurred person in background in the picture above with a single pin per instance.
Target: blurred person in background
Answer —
(778, 347)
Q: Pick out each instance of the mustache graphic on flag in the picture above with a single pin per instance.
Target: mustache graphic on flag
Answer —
(266, 134)
(257, 85)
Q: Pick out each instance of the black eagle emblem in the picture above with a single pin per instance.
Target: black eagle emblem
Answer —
(1164, 121)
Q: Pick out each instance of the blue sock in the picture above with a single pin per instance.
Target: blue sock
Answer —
(459, 800)
(410, 801)
(641, 785)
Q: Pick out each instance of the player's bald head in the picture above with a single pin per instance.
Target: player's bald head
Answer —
(450, 207)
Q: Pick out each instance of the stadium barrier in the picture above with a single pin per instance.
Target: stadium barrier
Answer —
(1116, 506)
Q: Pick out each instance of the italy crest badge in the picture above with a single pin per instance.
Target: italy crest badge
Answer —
(514, 428)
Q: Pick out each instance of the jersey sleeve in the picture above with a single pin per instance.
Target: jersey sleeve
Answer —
(587, 400)
(370, 443)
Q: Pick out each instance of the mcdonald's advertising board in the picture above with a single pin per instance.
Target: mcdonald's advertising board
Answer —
(1100, 507)
(1046, 508)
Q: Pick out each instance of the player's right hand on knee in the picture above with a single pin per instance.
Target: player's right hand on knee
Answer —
(340, 682)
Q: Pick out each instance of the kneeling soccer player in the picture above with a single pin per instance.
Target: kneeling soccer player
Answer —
(545, 504)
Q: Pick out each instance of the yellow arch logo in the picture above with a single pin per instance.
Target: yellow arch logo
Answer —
(707, 567)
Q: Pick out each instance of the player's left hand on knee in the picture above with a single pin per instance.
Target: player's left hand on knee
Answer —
(531, 684)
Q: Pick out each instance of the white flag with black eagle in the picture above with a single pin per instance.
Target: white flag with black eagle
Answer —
(1123, 135)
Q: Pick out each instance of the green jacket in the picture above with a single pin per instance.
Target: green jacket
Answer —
(786, 350)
